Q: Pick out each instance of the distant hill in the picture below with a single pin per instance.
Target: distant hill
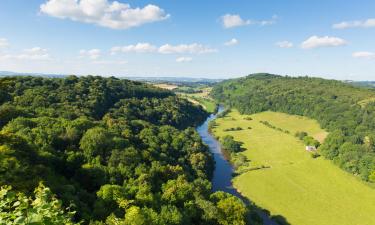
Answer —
(10, 73)
(173, 80)
(370, 84)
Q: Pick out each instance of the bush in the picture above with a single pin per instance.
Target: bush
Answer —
(315, 155)
(310, 141)
(301, 134)
(233, 129)
(231, 145)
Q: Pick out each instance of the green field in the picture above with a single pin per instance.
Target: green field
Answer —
(304, 190)
(201, 98)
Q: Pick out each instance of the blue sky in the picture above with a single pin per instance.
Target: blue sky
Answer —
(214, 39)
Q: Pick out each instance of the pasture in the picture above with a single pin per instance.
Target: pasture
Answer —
(304, 190)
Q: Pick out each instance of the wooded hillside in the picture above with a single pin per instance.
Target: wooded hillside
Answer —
(114, 151)
(347, 112)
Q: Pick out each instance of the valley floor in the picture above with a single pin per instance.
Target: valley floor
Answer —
(304, 190)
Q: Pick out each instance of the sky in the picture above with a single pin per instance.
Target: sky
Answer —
(195, 38)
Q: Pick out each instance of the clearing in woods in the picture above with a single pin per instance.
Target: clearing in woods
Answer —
(304, 190)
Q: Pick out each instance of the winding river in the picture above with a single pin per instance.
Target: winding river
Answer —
(223, 173)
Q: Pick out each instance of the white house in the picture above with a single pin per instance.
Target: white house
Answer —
(310, 148)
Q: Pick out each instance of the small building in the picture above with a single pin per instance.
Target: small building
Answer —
(310, 148)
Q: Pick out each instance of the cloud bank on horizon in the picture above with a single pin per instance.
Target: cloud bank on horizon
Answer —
(146, 39)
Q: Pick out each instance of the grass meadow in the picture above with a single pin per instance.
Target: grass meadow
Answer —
(304, 190)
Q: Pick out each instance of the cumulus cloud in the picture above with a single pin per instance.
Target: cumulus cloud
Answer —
(4, 43)
(111, 14)
(285, 44)
(326, 41)
(235, 20)
(364, 55)
(137, 48)
(194, 48)
(231, 42)
(230, 21)
(184, 59)
(355, 24)
(91, 54)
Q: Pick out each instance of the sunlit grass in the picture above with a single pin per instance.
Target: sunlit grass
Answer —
(306, 191)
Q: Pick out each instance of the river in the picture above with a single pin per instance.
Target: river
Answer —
(223, 173)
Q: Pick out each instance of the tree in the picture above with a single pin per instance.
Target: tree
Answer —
(230, 144)
(96, 141)
(231, 210)
(43, 208)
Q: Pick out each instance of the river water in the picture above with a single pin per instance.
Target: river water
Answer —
(223, 173)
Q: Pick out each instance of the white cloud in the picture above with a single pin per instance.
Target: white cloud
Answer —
(184, 59)
(326, 41)
(36, 53)
(364, 55)
(355, 24)
(4, 43)
(194, 48)
(285, 44)
(137, 48)
(230, 21)
(267, 22)
(91, 54)
(185, 48)
(112, 14)
(231, 42)
(235, 20)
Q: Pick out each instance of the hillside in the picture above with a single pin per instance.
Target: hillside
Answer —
(342, 109)
(111, 151)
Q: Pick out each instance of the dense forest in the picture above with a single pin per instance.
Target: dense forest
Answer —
(104, 151)
(347, 112)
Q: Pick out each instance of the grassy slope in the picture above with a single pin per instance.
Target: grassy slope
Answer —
(202, 99)
(306, 191)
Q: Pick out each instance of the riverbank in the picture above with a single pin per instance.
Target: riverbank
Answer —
(223, 173)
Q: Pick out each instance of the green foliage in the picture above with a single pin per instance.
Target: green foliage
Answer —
(121, 152)
(96, 142)
(372, 176)
(310, 141)
(231, 210)
(301, 135)
(337, 106)
(230, 144)
(314, 155)
(233, 129)
(266, 123)
(44, 208)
